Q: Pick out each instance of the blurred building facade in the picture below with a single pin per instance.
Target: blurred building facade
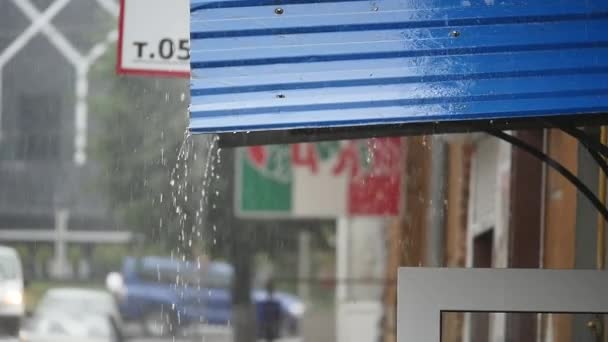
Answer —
(46, 178)
(499, 207)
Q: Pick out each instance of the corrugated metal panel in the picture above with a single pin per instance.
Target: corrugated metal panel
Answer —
(283, 64)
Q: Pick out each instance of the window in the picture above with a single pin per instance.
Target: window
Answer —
(39, 128)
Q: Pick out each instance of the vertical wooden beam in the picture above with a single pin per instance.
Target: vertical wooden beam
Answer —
(459, 166)
(525, 224)
(407, 237)
(586, 234)
(417, 171)
(560, 223)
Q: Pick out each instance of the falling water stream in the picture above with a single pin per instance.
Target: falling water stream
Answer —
(191, 200)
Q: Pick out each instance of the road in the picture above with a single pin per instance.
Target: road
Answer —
(201, 339)
(205, 337)
(204, 334)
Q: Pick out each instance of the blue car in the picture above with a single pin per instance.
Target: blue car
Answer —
(166, 294)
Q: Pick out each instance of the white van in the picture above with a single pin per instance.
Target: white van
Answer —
(12, 306)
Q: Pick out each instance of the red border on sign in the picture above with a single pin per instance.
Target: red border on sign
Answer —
(139, 72)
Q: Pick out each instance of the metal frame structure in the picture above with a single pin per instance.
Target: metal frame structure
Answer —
(295, 71)
(424, 294)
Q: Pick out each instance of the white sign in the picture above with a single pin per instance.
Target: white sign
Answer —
(154, 37)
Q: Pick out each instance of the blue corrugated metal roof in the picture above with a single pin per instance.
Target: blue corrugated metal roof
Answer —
(283, 64)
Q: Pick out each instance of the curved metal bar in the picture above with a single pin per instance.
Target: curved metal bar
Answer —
(554, 164)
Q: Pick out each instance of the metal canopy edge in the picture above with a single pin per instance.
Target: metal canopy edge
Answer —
(253, 138)
(406, 66)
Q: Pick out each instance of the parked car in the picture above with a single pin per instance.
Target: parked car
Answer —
(165, 295)
(12, 305)
(70, 301)
(62, 326)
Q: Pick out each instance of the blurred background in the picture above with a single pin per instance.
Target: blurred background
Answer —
(117, 225)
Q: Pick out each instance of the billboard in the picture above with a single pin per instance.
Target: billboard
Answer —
(319, 180)
(265, 66)
(154, 38)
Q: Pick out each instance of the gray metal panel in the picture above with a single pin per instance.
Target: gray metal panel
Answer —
(424, 293)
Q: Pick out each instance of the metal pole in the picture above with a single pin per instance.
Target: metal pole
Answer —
(436, 213)
(601, 223)
(342, 257)
(61, 227)
(597, 325)
(342, 272)
(304, 266)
